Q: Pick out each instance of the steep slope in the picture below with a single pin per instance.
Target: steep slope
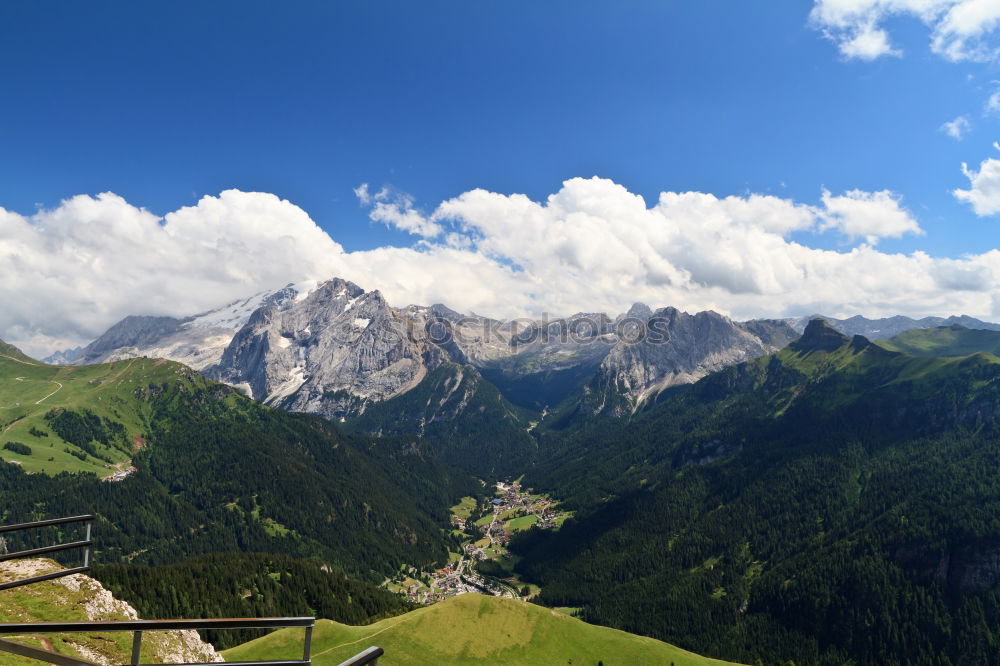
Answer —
(331, 353)
(473, 629)
(461, 417)
(77, 419)
(248, 585)
(80, 598)
(219, 472)
(834, 502)
(12, 353)
(337, 349)
(550, 362)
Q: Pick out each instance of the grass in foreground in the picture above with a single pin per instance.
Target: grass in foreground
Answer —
(474, 629)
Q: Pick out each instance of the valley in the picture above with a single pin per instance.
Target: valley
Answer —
(483, 564)
(697, 517)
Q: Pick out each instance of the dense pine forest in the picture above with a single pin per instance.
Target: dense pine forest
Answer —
(474, 427)
(835, 503)
(248, 585)
(223, 473)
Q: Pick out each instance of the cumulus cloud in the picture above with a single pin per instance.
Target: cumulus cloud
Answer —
(594, 242)
(866, 42)
(868, 215)
(984, 186)
(960, 29)
(68, 273)
(959, 127)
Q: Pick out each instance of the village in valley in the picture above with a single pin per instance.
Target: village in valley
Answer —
(484, 565)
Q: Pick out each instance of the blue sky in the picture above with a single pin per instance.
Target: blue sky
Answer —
(165, 103)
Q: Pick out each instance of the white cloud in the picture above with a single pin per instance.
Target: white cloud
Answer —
(867, 43)
(868, 215)
(959, 127)
(984, 186)
(68, 273)
(395, 209)
(993, 103)
(960, 29)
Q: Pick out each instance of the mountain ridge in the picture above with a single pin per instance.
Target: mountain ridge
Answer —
(336, 348)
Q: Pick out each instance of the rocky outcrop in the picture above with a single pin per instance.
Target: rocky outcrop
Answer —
(131, 333)
(820, 336)
(81, 598)
(960, 567)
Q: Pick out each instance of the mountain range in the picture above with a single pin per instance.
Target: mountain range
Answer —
(831, 502)
(336, 349)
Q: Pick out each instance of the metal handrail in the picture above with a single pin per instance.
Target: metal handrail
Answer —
(86, 544)
(138, 627)
(42, 655)
(369, 656)
(44, 523)
(156, 625)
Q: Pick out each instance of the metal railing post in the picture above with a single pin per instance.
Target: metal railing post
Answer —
(136, 647)
(307, 648)
(86, 552)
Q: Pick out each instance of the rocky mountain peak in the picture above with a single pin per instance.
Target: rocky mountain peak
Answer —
(639, 311)
(445, 312)
(819, 336)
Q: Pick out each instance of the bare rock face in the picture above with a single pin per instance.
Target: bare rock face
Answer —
(657, 350)
(329, 353)
(337, 349)
(81, 598)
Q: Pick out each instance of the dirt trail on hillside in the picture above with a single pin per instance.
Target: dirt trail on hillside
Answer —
(17, 360)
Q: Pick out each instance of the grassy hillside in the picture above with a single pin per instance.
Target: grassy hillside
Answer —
(32, 394)
(473, 629)
(944, 341)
